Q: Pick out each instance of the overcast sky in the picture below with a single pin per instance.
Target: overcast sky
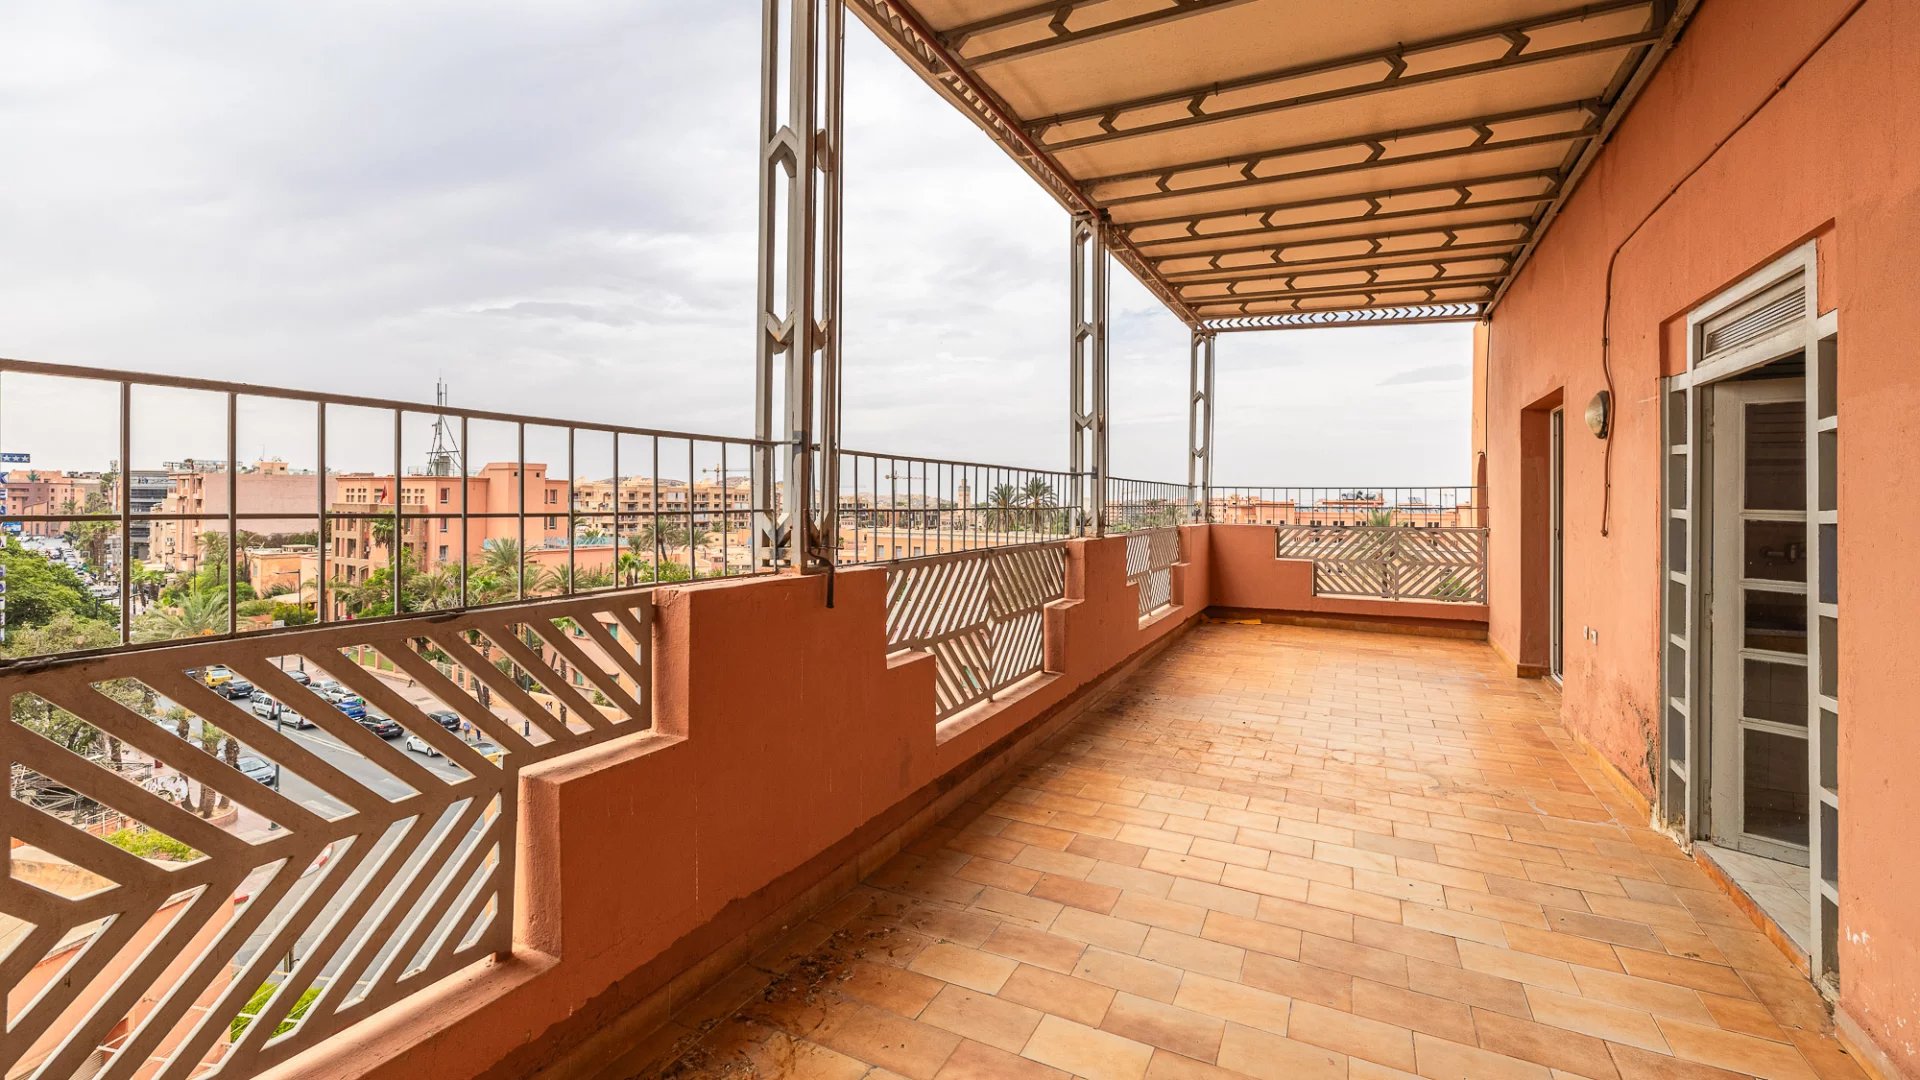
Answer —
(552, 205)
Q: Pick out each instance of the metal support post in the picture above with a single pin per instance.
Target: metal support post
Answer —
(1200, 427)
(1087, 460)
(799, 283)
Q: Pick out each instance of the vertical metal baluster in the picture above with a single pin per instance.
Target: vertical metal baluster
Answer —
(233, 513)
(126, 513)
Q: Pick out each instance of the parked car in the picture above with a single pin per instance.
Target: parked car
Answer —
(383, 726)
(450, 721)
(352, 704)
(235, 689)
(256, 769)
(418, 745)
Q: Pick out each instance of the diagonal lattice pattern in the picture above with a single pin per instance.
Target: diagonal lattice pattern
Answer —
(1150, 558)
(361, 870)
(981, 615)
(1390, 561)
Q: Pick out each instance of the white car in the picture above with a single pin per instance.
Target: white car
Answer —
(418, 745)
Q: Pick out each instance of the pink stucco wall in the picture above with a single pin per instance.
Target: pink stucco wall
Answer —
(639, 856)
(1832, 157)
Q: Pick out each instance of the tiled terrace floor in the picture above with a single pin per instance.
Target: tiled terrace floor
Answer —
(1288, 853)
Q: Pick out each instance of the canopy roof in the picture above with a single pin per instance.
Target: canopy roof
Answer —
(1280, 163)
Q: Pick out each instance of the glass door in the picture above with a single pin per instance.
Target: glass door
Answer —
(1758, 599)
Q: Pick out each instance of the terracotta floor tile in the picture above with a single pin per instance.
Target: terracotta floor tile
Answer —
(1355, 1036)
(1302, 982)
(1415, 1012)
(1579, 951)
(1467, 987)
(982, 1017)
(1183, 1031)
(1439, 1059)
(1587, 1016)
(1129, 973)
(978, 1061)
(1277, 852)
(1113, 851)
(1554, 1047)
(1088, 1052)
(1254, 934)
(1073, 892)
(1380, 965)
(1268, 1056)
(1035, 947)
(879, 1037)
(967, 967)
(1739, 1053)
(1215, 898)
(1063, 995)
(897, 989)
(1521, 967)
(1153, 911)
(1680, 971)
(1234, 1001)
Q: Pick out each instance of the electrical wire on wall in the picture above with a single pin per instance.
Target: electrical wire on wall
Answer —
(1606, 312)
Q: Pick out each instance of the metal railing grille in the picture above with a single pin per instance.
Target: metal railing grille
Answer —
(896, 507)
(298, 903)
(1150, 558)
(981, 615)
(1392, 562)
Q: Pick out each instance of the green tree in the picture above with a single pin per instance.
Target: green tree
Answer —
(1039, 497)
(39, 589)
(1003, 503)
(197, 613)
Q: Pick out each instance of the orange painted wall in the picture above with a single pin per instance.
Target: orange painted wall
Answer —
(781, 728)
(1835, 155)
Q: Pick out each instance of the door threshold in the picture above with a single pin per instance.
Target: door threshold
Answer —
(1732, 871)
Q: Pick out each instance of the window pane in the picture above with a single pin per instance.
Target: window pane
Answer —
(1776, 692)
(1777, 456)
(1775, 786)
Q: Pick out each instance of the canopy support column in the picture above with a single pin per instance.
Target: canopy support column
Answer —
(1088, 400)
(1200, 427)
(796, 512)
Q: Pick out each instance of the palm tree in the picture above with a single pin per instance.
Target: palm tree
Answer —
(1039, 496)
(433, 592)
(200, 613)
(501, 564)
(657, 535)
(1003, 501)
(629, 566)
(215, 552)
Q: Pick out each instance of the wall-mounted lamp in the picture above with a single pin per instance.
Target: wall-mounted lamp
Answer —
(1600, 414)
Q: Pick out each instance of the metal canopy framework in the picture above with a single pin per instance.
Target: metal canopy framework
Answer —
(1274, 164)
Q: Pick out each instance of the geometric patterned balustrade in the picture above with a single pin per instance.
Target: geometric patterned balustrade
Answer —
(196, 888)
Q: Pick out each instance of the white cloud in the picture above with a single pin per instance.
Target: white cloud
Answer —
(553, 205)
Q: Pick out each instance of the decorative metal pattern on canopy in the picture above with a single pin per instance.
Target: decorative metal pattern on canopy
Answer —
(1272, 164)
